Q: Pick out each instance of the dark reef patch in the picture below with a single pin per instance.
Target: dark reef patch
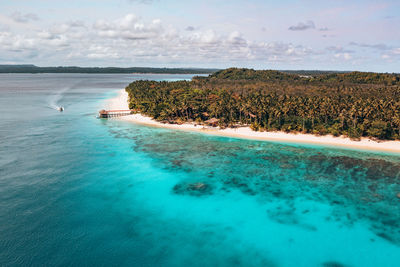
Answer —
(193, 189)
(386, 237)
(333, 264)
(284, 215)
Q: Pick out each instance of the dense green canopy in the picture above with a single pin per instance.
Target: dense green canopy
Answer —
(353, 104)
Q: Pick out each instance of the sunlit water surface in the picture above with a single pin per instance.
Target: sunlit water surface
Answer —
(76, 190)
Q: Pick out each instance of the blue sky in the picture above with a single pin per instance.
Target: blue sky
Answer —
(286, 34)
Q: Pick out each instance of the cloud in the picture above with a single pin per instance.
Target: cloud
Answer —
(132, 39)
(190, 28)
(77, 23)
(237, 38)
(302, 26)
(24, 18)
(380, 46)
(16, 43)
(389, 17)
(391, 55)
(339, 49)
(4, 27)
(100, 52)
(129, 27)
(345, 56)
(387, 52)
(148, 2)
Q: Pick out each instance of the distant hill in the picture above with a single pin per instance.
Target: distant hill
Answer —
(73, 69)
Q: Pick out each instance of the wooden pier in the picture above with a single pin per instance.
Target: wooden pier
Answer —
(113, 113)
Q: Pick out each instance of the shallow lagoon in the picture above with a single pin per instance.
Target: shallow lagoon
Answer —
(82, 191)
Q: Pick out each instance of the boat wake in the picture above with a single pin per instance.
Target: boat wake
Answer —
(54, 100)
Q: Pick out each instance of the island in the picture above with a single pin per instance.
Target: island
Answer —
(353, 104)
(352, 109)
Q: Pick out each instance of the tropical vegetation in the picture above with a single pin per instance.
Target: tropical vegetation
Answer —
(354, 104)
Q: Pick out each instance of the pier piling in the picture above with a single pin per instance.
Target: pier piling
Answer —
(113, 113)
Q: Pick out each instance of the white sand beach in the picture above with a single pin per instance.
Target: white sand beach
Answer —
(121, 102)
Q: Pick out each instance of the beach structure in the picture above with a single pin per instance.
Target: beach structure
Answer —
(113, 113)
(212, 122)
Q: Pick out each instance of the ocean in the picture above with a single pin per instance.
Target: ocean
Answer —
(80, 191)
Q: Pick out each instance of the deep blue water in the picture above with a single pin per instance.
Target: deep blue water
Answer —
(80, 191)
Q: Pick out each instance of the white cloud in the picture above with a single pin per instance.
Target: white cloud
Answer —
(131, 40)
(24, 18)
(339, 49)
(391, 55)
(100, 52)
(345, 56)
(16, 43)
(129, 27)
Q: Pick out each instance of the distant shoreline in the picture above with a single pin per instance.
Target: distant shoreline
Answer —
(32, 69)
(121, 102)
(102, 73)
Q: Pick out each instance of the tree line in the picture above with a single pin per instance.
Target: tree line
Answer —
(353, 104)
(95, 70)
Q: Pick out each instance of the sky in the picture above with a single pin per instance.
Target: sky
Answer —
(285, 34)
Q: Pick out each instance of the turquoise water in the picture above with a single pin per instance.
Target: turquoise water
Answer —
(76, 190)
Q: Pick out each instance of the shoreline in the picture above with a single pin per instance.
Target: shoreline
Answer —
(121, 102)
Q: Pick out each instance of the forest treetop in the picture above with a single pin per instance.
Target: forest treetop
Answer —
(353, 104)
(334, 77)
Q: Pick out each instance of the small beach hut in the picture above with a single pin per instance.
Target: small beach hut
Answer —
(212, 122)
(103, 113)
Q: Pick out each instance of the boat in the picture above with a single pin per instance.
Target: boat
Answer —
(61, 109)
